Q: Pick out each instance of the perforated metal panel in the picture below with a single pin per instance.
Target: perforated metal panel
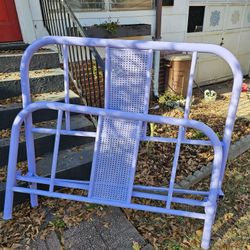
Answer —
(114, 159)
(118, 140)
(128, 80)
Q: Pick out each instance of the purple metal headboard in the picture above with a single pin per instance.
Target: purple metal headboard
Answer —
(114, 113)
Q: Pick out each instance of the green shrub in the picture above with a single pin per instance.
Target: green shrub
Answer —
(110, 26)
(171, 100)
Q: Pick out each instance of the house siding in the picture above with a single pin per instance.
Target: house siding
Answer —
(233, 27)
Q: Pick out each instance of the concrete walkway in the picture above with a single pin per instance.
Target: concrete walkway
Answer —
(111, 231)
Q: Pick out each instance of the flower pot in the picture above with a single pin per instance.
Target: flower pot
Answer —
(124, 30)
(167, 2)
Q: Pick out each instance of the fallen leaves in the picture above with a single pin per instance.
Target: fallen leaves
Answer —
(51, 215)
(154, 168)
(199, 232)
(157, 157)
(16, 75)
(228, 216)
(231, 229)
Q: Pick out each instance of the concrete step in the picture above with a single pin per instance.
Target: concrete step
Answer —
(44, 143)
(10, 108)
(10, 46)
(41, 60)
(71, 165)
(41, 81)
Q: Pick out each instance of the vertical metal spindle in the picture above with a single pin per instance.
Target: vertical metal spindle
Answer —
(54, 17)
(190, 86)
(50, 21)
(66, 31)
(56, 150)
(107, 77)
(98, 84)
(65, 20)
(87, 68)
(60, 26)
(79, 79)
(72, 62)
(45, 13)
(53, 25)
(81, 70)
(71, 28)
(66, 83)
(57, 22)
(64, 26)
(84, 75)
(182, 130)
(93, 77)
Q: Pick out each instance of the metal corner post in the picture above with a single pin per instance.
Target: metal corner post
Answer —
(157, 55)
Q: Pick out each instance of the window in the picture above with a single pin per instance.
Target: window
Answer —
(97, 5)
(131, 4)
(87, 5)
(195, 19)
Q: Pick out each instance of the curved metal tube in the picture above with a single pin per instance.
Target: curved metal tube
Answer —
(154, 45)
(220, 148)
(214, 187)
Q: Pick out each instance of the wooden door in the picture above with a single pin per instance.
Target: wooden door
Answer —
(9, 25)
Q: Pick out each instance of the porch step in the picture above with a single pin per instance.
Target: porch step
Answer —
(71, 165)
(44, 143)
(11, 108)
(13, 46)
(46, 83)
(41, 81)
(41, 60)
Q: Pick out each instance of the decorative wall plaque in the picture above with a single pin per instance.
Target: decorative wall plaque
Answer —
(235, 18)
(215, 18)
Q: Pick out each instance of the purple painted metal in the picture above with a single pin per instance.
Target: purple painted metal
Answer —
(56, 150)
(66, 83)
(124, 205)
(146, 138)
(122, 115)
(182, 131)
(127, 89)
